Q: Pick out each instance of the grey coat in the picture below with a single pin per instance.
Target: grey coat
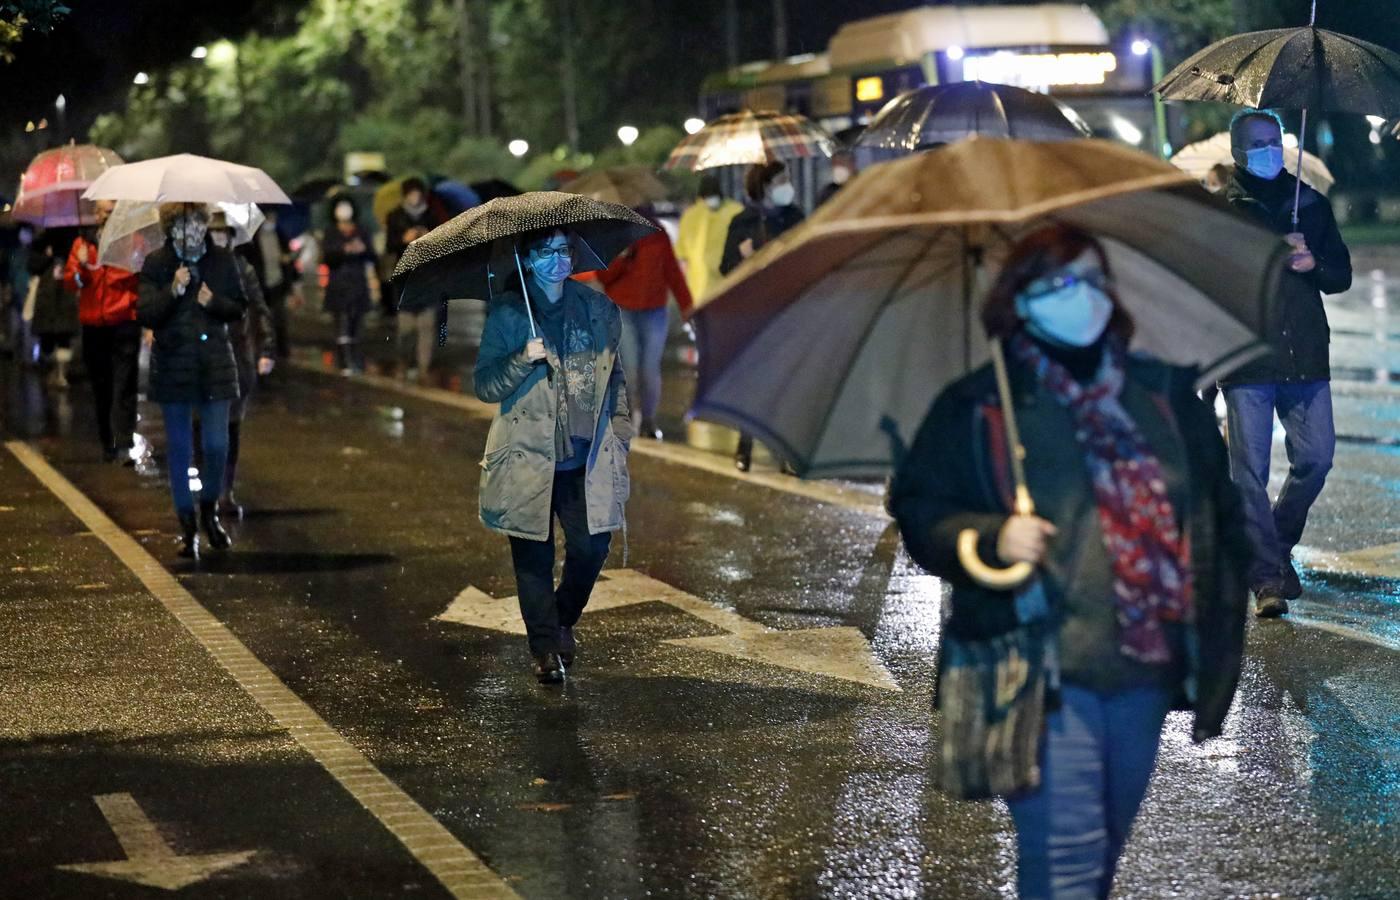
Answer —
(517, 469)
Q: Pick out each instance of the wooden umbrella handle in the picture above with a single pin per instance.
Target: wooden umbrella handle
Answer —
(998, 579)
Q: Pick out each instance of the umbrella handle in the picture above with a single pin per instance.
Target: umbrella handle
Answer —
(1006, 579)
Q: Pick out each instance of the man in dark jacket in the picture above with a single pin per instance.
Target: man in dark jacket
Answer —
(1294, 380)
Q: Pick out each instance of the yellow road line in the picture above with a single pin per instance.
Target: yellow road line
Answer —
(459, 870)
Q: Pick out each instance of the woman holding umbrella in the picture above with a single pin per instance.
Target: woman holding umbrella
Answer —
(558, 445)
(189, 292)
(1136, 551)
(347, 253)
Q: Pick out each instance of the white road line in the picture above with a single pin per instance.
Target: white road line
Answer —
(459, 870)
(675, 454)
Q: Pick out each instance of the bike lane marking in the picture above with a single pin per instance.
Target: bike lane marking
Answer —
(460, 871)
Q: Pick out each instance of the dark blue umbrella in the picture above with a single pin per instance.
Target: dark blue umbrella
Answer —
(456, 196)
(940, 114)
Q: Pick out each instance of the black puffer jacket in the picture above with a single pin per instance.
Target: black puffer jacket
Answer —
(954, 478)
(758, 224)
(1299, 334)
(192, 361)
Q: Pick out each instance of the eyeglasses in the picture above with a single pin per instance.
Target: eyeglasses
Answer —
(1044, 287)
(548, 252)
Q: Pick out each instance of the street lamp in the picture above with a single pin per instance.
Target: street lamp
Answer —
(628, 134)
(199, 52)
(955, 53)
(141, 78)
(1141, 47)
(518, 148)
(692, 125)
(1144, 47)
(61, 103)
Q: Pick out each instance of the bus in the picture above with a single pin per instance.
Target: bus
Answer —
(1056, 48)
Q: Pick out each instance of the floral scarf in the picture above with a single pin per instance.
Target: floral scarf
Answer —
(1149, 555)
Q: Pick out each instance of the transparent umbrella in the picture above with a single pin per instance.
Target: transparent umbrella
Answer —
(133, 230)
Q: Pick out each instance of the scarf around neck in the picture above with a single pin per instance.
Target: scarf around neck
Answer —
(1147, 551)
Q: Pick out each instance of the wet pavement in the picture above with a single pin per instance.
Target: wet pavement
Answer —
(749, 717)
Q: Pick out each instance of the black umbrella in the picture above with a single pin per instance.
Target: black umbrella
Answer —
(944, 113)
(492, 188)
(474, 254)
(1294, 68)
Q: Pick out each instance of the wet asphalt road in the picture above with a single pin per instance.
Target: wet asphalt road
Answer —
(662, 769)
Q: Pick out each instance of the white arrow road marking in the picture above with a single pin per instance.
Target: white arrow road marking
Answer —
(150, 861)
(841, 652)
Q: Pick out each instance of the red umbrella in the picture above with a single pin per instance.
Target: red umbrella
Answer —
(50, 190)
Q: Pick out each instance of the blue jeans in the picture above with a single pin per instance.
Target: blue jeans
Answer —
(643, 343)
(1096, 759)
(1305, 410)
(179, 449)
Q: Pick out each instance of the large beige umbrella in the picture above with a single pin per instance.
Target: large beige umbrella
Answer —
(631, 186)
(1199, 158)
(186, 178)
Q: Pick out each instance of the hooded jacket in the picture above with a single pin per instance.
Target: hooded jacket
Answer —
(1299, 335)
(106, 294)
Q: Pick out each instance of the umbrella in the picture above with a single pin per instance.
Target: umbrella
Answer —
(750, 138)
(493, 188)
(316, 189)
(632, 186)
(134, 230)
(51, 188)
(186, 178)
(1199, 158)
(455, 196)
(830, 344)
(1308, 68)
(944, 113)
(469, 255)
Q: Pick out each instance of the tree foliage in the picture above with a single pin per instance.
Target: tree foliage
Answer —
(17, 15)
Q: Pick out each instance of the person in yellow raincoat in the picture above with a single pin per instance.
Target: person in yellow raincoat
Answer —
(703, 229)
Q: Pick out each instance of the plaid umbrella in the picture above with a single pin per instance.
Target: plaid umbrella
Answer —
(750, 138)
(51, 188)
(473, 255)
(945, 113)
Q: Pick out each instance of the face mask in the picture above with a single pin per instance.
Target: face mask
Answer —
(344, 213)
(552, 270)
(1264, 162)
(187, 234)
(1074, 316)
(783, 195)
(220, 239)
(840, 175)
(415, 209)
(714, 203)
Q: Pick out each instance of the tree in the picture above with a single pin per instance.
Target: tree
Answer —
(17, 15)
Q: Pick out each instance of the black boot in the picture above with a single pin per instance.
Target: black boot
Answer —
(209, 514)
(743, 456)
(548, 668)
(189, 535)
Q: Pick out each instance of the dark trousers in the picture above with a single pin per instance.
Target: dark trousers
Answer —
(1305, 409)
(235, 442)
(347, 341)
(111, 354)
(179, 449)
(544, 607)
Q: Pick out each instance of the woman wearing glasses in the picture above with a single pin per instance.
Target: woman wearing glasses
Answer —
(1137, 545)
(558, 446)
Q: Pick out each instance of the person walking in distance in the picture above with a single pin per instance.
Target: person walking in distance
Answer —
(350, 259)
(1294, 382)
(703, 228)
(111, 339)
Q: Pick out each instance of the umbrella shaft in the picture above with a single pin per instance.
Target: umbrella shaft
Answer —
(1023, 504)
(1302, 139)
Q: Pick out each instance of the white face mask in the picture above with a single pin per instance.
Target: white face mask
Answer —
(1264, 162)
(714, 203)
(1074, 316)
(344, 213)
(220, 238)
(840, 175)
(783, 194)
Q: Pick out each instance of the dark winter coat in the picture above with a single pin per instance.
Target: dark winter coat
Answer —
(1299, 334)
(955, 477)
(758, 224)
(347, 290)
(55, 307)
(192, 360)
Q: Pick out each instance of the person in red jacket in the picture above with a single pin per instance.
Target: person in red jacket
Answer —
(639, 281)
(111, 337)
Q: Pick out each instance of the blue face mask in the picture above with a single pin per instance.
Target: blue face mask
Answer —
(1264, 162)
(551, 269)
(1072, 316)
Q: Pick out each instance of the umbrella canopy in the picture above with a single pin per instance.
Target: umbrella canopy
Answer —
(1292, 68)
(472, 254)
(133, 230)
(494, 188)
(455, 196)
(51, 188)
(1199, 158)
(631, 186)
(832, 342)
(944, 113)
(186, 178)
(750, 138)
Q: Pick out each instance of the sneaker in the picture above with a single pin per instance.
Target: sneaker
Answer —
(649, 430)
(1291, 587)
(1270, 606)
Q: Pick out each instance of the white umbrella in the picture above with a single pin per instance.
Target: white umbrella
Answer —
(133, 230)
(186, 178)
(1197, 159)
